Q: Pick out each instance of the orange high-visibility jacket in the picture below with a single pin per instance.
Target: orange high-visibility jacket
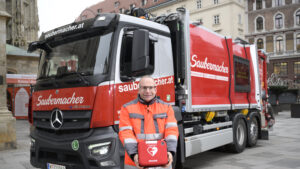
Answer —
(146, 121)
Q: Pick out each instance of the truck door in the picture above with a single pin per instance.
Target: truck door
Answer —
(126, 86)
(165, 81)
(161, 69)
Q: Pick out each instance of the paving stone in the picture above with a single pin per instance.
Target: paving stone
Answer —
(281, 151)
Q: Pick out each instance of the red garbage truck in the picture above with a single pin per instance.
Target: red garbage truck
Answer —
(89, 69)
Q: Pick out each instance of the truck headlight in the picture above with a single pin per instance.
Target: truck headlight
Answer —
(99, 149)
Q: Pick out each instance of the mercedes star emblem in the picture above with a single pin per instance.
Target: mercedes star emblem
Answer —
(56, 120)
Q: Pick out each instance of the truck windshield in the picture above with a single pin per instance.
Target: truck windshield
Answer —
(85, 57)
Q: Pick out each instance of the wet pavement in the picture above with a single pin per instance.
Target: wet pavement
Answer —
(281, 151)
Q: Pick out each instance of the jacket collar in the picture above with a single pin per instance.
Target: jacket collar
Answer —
(146, 103)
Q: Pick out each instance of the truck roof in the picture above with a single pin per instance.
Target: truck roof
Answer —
(144, 22)
(101, 20)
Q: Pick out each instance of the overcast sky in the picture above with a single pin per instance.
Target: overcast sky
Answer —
(55, 13)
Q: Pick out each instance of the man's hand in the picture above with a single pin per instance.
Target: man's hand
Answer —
(170, 159)
(136, 161)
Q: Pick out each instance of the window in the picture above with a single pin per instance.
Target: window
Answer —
(258, 4)
(216, 2)
(121, 10)
(297, 68)
(200, 21)
(199, 4)
(144, 2)
(240, 18)
(298, 42)
(278, 21)
(83, 17)
(298, 18)
(132, 6)
(216, 19)
(87, 56)
(260, 44)
(241, 74)
(126, 52)
(99, 10)
(155, 0)
(278, 2)
(117, 4)
(280, 68)
(279, 44)
(259, 23)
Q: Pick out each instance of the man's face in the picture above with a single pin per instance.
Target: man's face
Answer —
(147, 89)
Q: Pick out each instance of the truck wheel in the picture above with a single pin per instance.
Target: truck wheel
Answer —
(239, 136)
(253, 132)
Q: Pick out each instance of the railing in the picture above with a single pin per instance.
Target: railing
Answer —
(283, 53)
(275, 80)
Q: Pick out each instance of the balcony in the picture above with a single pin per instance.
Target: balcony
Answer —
(284, 54)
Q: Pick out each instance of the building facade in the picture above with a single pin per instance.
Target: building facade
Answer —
(274, 26)
(21, 29)
(226, 17)
(7, 122)
(23, 26)
(117, 6)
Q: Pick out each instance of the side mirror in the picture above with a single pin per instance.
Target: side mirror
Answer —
(140, 51)
(32, 47)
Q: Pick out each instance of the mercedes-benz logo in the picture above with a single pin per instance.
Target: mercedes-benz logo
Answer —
(56, 120)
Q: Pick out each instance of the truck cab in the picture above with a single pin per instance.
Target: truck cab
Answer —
(87, 71)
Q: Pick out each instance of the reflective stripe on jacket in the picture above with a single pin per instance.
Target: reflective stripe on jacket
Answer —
(141, 121)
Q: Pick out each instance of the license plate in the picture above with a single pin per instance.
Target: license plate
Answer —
(55, 166)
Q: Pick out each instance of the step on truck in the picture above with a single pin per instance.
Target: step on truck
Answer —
(89, 69)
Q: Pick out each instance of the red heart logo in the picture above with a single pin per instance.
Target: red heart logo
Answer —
(152, 150)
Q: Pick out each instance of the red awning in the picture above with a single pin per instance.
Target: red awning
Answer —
(20, 79)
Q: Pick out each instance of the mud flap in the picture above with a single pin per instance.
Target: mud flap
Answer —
(264, 134)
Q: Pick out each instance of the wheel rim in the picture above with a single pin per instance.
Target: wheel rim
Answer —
(240, 134)
(253, 130)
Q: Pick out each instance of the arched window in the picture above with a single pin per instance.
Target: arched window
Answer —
(258, 4)
(298, 42)
(279, 44)
(298, 17)
(278, 21)
(259, 23)
(260, 44)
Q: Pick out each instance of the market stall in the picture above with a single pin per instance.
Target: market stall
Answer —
(18, 93)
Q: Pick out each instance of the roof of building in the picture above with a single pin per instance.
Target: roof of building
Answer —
(15, 51)
(108, 6)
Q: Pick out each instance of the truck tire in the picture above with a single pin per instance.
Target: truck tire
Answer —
(239, 135)
(252, 132)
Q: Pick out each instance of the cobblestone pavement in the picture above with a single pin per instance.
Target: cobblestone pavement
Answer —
(281, 151)
(18, 158)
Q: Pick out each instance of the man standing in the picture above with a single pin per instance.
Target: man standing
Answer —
(147, 118)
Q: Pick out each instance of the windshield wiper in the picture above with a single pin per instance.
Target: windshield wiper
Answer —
(78, 74)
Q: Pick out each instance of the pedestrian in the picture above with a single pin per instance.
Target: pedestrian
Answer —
(147, 118)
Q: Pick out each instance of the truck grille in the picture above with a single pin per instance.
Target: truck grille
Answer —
(72, 119)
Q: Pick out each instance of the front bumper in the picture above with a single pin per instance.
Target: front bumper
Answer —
(57, 149)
